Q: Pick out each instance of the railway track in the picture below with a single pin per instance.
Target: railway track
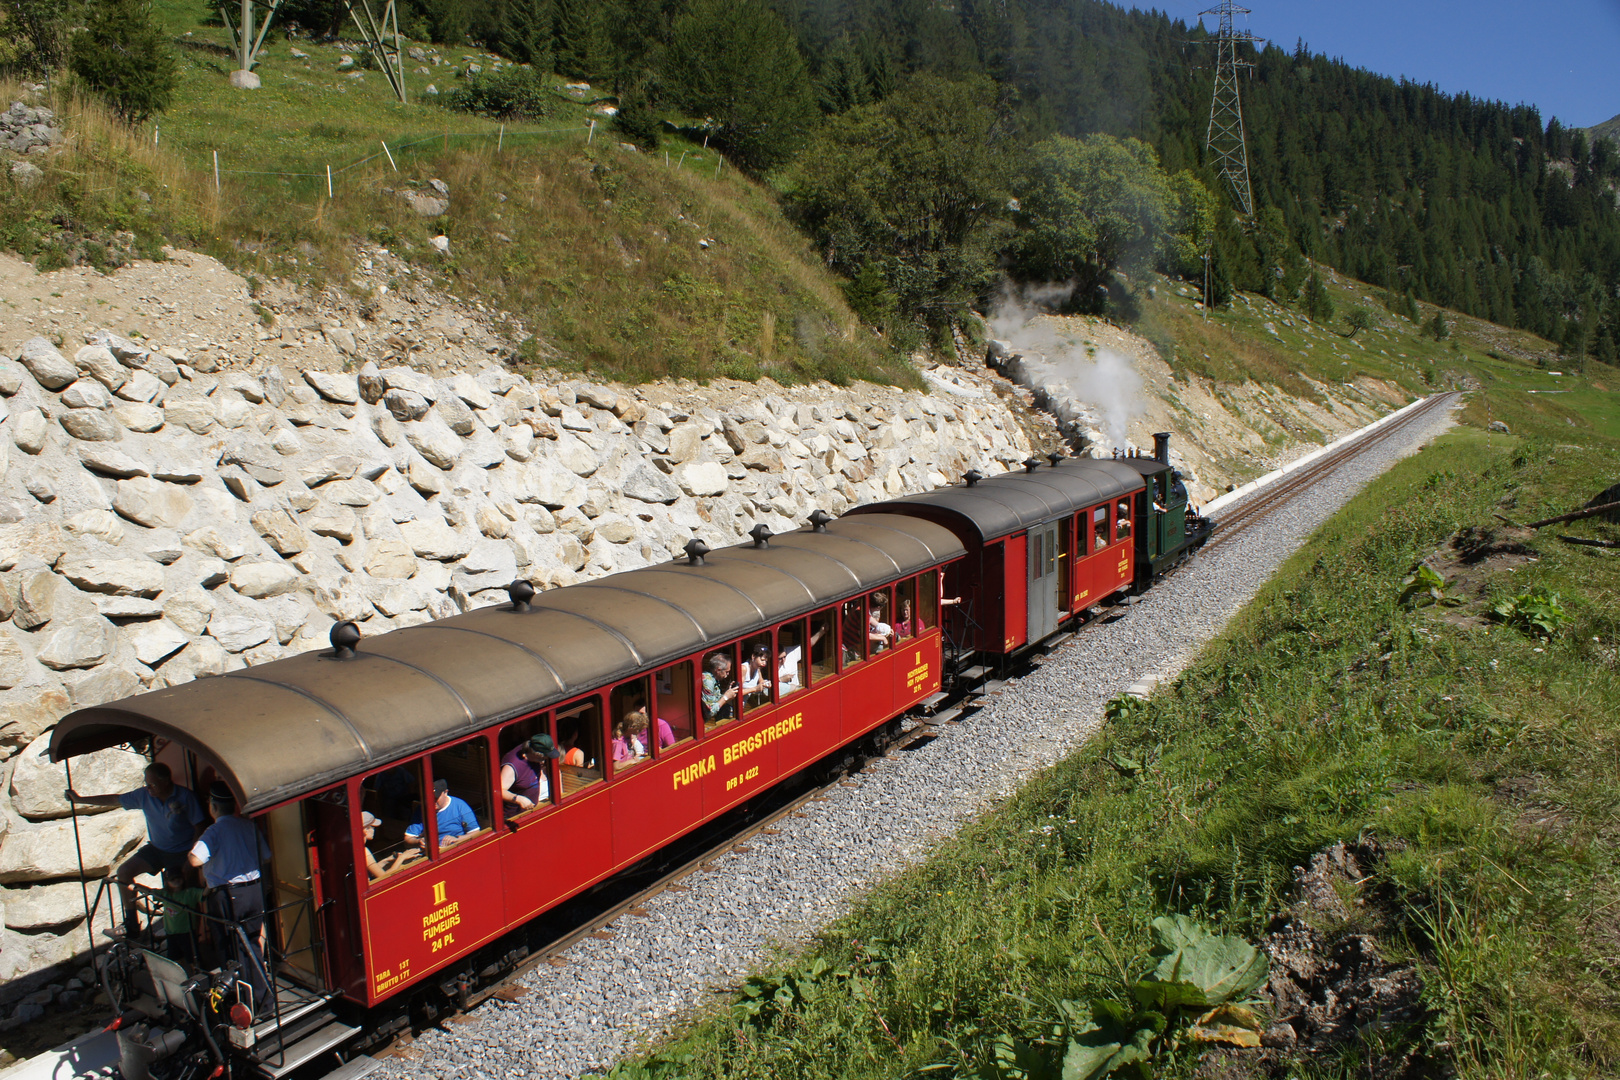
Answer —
(1251, 511)
(671, 868)
(594, 913)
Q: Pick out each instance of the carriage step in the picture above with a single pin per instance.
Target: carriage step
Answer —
(354, 1068)
(305, 1050)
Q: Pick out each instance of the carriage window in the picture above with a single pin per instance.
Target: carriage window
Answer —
(1037, 556)
(1099, 528)
(579, 737)
(852, 638)
(460, 792)
(928, 600)
(1122, 526)
(390, 801)
(879, 621)
(673, 721)
(756, 674)
(789, 659)
(821, 644)
(632, 725)
(905, 610)
(525, 777)
(720, 688)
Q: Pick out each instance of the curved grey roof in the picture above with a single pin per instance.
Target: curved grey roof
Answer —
(1014, 501)
(278, 730)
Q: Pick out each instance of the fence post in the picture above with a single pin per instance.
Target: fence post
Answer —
(390, 156)
(329, 181)
(499, 139)
(216, 170)
(681, 164)
(154, 133)
(592, 133)
(719, 160)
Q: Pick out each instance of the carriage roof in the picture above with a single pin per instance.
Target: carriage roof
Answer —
(1014, 501)
(279, 730)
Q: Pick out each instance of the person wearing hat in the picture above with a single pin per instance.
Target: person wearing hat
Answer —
(368, 825)
(231, 853)
(456, 819)
(174, 820)
(524, 783)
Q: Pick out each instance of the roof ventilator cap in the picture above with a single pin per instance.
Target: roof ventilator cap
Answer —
(819, 519)
(1031, 464)
(695, 550)
(344, 637)
(972, 476)
(521, 593)
(1054, 457)
(761, 534)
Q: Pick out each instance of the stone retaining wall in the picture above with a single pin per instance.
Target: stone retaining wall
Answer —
(158, 524)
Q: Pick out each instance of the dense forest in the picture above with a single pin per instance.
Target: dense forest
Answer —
(935, 151)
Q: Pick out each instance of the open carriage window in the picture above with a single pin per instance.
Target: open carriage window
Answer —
(758, 673)
(852, 631)
(720, 687)
(525, 779)
(632, 725)
(904, 620)
(1099, 528)
(790, 659)
(1122, 520)
(823, 640)
(460, 793)
(672, 722)
(928, 600)
(579, 737)
(879, 624)
(390, 801)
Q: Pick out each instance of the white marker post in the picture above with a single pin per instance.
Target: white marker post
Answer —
(592, 133)
(216, 170)
(329, 181)
(390, 156)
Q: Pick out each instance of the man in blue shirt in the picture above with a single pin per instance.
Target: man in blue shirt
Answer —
(456, 819)
(230, 853)
(174, 819)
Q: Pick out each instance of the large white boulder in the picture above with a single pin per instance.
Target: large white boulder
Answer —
(38, 784)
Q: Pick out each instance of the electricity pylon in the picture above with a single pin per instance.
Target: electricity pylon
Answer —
(1225, 142)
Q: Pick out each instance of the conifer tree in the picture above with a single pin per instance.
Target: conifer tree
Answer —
(121, 55)
(582, 49)
(1437, 327)
(1318, 304)
(527, 28)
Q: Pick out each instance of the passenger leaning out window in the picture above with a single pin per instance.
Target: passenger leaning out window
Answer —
(719, 688)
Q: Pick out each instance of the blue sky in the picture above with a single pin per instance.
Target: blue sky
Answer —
(1562, 56)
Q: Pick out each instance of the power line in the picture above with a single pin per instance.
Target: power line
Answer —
(1224, 142)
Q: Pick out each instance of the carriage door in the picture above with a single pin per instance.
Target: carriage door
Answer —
(1045, 599)
(292, 895)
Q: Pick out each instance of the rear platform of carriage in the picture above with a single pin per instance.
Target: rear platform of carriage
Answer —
(208, 1011)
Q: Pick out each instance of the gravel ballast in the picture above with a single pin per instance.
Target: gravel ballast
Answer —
(613, 995)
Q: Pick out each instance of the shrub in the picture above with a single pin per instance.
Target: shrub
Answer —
(510, 93)
(122, 56)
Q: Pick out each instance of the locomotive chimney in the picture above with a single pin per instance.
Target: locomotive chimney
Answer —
(1161, 446)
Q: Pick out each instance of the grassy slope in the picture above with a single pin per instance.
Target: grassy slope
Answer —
(1328, 710)
(1511, 369)
(603, 262)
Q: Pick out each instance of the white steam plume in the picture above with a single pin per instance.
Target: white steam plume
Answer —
(1081, 381)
